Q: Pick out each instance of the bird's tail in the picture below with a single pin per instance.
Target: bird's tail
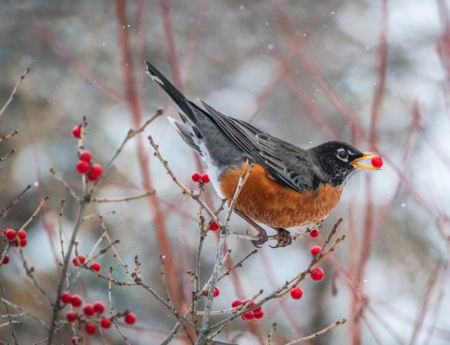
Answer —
(181, 102)
(187, 130)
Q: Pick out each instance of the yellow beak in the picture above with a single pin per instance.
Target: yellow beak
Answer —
(367, 155)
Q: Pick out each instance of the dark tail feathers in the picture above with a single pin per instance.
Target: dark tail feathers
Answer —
(181, 102)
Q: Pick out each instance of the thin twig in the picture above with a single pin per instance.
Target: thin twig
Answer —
(6, 137)
(6, 210)
(25, 311)
(163, 277)
(131, 133)
(272, 332)
(239, 264)
(98, 215)
(151, 193)
(325, 330)
(57, 306)
(13, 333)
(13, 94)
(185, 189)
(35, 213)
(60, 228)
(60, 179)
(7, 155)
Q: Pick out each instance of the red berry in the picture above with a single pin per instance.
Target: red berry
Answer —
(314, 233)
(75, 261)
(90, 329)
(76, 131)
(236, 303)
(296, 293)
(10, 234)
(257, 310)
(23, 243)
(105, 323)
(22, 234)
(66, 298)
(76, 301)
(85, 156)
(71, 316)
(196, 177)
(317, 274)
(130, 318)
(82, 167)
(215, 293)
(96, 266)
(248, 317)
(92, 177)
(96, 170)
(214, 226)
(315, 250)
(99, 307)
(5, 260)
(377, 162)
(205, 178)
(88, 310)
(258, 316)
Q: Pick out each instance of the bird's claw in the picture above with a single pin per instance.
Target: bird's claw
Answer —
(284, 238)
(262, 238)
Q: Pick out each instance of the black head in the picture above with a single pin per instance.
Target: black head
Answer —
(337, 161)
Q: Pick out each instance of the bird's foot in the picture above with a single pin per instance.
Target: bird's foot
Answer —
(262, 237)
(284, 238)
(262, 233)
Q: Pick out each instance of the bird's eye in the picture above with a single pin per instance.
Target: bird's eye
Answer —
(342, 154)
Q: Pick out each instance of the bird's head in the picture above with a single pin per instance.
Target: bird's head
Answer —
(338, 161)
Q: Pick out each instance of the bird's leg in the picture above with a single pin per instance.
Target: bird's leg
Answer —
(284, 238)
(262, 233)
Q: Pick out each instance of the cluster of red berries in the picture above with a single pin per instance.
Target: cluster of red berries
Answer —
(16, 237)
(84, 166)
(90, 310)
(256, 314)
(377, 162)
(81, 259)
(317, 274)
(197, 177)
(215, 293)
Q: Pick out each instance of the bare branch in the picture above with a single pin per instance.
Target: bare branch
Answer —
(6, 210)
(60, 179)
(6, 137)
(35, 213)
(325, 330)
(151, 193)
(14, 92)
(272, 332)
(25, 311)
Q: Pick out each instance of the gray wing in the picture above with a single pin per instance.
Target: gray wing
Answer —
(286, 163)
(290, 163)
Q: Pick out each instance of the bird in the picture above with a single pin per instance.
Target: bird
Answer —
(288, 186)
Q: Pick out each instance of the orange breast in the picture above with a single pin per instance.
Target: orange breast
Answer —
(268, 202)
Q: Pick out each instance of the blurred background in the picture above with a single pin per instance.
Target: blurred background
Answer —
(373, 73)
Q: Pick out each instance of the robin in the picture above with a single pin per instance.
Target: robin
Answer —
(288, 186)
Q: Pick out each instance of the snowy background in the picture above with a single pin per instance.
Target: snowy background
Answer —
(244, 58)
